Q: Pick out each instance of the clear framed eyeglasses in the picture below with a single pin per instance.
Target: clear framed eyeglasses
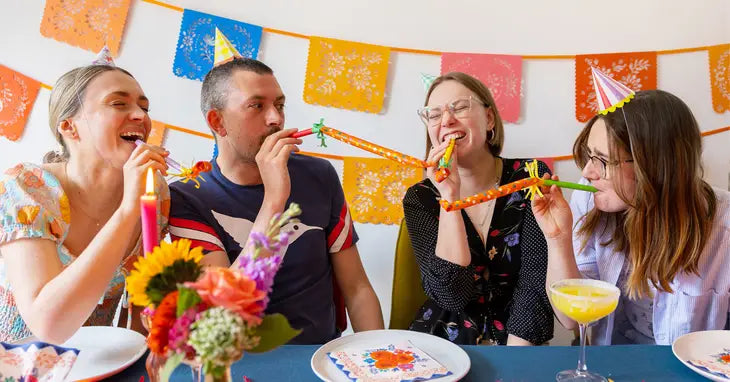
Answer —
(460, 107)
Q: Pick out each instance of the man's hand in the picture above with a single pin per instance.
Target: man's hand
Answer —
(272, 161)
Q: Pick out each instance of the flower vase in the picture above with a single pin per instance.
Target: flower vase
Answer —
(223, 375)
(154, 364)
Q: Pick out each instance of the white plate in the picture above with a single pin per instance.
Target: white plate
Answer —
(700, 345)
(105, 351)
(446, 353)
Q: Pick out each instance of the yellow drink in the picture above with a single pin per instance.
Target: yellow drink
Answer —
(584, 303)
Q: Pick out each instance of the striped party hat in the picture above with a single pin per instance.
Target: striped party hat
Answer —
(224, 50)
(610, 94)
(103, 58)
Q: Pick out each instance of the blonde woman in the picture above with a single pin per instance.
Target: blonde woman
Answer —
(655, 229)
(69, 229)
(483, 268)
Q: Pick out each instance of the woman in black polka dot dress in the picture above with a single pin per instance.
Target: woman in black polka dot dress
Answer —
(483, 268)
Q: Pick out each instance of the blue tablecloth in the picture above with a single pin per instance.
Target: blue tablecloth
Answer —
(488, 363)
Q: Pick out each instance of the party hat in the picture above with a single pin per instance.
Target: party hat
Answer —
(224, 50)
(427, 80)
(610, 94)
(103, 58)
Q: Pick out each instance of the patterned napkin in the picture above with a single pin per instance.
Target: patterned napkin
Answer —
(403, 362)
(716, 364)
(35, 362)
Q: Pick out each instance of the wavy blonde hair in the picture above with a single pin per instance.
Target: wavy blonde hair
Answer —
(65, 102)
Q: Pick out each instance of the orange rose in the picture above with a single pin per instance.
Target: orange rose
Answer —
(232, 290)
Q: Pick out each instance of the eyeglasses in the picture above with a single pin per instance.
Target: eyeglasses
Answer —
(600, 164)
(432, 115)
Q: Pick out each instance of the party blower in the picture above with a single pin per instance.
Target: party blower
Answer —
(186, 174)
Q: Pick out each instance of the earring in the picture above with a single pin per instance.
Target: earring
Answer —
(490, 138)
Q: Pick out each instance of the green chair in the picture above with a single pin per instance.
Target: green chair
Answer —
(408, 295)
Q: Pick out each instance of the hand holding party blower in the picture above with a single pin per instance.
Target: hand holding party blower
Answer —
(321, 130)
(186, 173)
(532, 184)
(445, 163)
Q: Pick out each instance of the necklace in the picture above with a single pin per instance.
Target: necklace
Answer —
(485, 208)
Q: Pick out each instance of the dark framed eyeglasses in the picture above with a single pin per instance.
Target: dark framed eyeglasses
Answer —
(600, 164)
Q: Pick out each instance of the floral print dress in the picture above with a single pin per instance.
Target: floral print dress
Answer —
(34, 206)
(502, 291)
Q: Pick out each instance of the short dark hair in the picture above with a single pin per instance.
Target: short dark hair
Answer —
(214, 92)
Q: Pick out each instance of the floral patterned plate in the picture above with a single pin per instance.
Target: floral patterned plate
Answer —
(706, 353)
(451, 356)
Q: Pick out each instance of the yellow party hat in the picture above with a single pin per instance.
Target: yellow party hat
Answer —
(224, 50)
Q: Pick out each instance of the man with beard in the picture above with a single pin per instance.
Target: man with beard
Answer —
(255, 176)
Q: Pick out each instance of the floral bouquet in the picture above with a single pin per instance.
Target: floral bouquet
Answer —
(210, 316)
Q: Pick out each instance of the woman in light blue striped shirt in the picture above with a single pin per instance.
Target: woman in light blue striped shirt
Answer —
(655, 229)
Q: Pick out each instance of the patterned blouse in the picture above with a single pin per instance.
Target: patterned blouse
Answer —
(502, 291)
(33, 205)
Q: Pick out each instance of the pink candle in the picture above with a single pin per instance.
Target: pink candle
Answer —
(150, 234)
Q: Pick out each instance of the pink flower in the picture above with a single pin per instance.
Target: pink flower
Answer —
(467, 324)
(180, 331)
(232, 290)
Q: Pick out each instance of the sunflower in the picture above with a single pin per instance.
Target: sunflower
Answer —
(158, 274)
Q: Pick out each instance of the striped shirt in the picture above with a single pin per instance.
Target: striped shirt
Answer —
(696, 303)
(219, 215)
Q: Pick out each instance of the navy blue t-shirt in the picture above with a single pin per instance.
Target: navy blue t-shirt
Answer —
(219, 215)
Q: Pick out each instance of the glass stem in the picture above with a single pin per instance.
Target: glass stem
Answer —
(582, 368)
(197, 371)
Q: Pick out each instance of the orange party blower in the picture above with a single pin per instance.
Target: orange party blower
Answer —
(321, 130)
(445, 163)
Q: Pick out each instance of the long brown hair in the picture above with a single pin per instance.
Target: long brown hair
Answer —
(485, 96)
(670, 216)
(65, 102)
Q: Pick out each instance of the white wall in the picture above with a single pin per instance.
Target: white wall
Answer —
(547, 128)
